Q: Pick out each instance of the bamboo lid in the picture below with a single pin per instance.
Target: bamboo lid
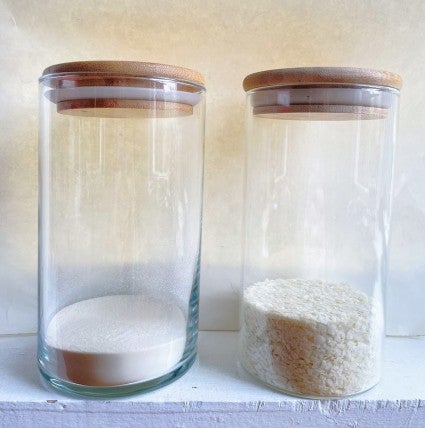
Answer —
(128, 68)
(122, 89)
(322, 93)
(320, 113)
(305, 76)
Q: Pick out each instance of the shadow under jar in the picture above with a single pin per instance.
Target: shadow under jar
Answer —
(121, 168)
(319, 161)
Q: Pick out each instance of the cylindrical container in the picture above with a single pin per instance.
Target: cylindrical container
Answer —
(319, 161)
(121, 169)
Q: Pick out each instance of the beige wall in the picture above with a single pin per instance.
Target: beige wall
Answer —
(225, 40)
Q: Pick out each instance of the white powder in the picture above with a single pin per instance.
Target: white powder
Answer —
(311, 337)
(114, 340)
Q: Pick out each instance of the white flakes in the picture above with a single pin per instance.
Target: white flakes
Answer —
(311, 337)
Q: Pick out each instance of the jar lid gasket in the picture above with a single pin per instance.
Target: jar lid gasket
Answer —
(321, 103)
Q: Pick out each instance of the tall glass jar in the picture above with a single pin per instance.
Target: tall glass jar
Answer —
(319, 161)
(121, 169)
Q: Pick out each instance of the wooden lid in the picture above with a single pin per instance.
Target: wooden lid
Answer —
(122, 89)
(321, 76)
(120, 108)
(128, 68)
(320, 112)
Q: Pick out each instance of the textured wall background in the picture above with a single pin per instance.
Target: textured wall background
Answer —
(225, 40)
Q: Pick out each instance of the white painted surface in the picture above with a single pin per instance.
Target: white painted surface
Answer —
(226, 41)
(215, 392)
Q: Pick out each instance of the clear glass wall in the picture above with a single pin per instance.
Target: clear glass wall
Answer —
(121, 169)
(318, 185)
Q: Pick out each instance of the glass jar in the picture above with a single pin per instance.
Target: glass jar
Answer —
(319, 161)
(121, 169)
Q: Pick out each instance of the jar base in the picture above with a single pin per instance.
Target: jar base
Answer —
(74, 389)
(301, 395)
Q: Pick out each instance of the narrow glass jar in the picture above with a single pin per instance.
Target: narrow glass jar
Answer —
(319, 161)
(121, 171)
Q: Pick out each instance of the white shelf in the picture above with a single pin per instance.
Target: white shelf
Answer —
(215, 392)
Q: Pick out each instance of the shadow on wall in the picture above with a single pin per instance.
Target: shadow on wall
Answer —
(221, 252)
(18, 228)
(219, 296)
